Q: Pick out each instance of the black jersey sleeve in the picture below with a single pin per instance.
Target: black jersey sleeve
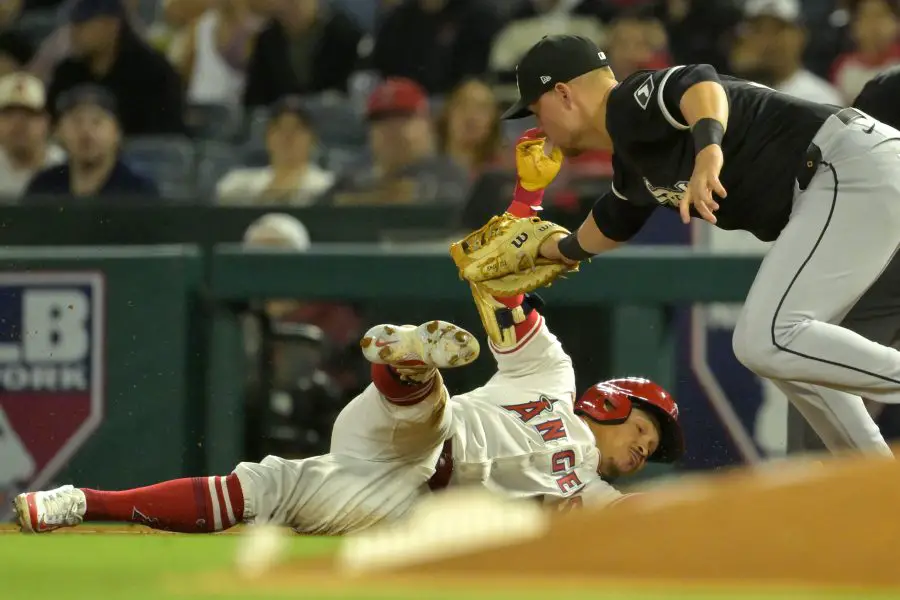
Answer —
(646, 107)
(621, 212)
(618, 219)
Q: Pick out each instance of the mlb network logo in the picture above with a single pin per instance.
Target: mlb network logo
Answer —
(51, 373)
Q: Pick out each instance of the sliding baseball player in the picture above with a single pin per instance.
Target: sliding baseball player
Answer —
(525, 434)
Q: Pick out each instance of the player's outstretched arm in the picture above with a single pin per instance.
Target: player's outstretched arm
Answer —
(585, 242)
(503, 255)
(508, 321)
(512, 320)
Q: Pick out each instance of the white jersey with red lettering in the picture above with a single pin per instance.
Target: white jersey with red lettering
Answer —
(518, 434)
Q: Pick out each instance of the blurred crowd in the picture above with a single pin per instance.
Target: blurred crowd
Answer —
(287, 103)
(297, 102)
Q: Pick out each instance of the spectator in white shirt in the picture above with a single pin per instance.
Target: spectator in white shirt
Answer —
(533, 19)
(292, 177)
(215, 59)
(24, 134)
(770, 51)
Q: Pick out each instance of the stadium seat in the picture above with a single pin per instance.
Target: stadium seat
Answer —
(437, 103)
(513, 130)
(338, 158)
(169, 160)
(336, 121)
(149, 11)
(213, 121)
(364, 12)
(37, 25)
(214, 160)
(254, 155)
(257, 122)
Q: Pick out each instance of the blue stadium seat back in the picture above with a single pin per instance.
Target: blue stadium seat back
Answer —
(436, 104)
(364, 12)
(213, 121)
(339, 158)
(170, 160)
(257, 122)
(337, 121)
(513, 130)
(254, 155)
(38, 25)
(215, 160)
(149, 11)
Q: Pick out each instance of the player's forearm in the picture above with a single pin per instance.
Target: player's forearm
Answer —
(705, 100)
(585, 242)
(525, 203)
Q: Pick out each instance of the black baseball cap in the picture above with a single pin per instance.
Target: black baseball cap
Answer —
(554, 59)
(291, 104)
(87, 94)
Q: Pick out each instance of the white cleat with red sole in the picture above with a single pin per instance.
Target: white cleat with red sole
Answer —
(40, 512)
(437, 344)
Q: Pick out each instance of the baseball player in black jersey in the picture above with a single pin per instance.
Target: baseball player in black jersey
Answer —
(820, 181)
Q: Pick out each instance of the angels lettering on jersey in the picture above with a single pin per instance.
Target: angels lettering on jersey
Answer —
(539, 415)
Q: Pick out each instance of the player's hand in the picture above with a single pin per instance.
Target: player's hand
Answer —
(704, 183)
(536, 163)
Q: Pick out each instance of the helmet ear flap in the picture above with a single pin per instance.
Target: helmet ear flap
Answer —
(604, 404)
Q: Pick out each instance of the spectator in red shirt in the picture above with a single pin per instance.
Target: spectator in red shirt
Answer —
(874, 25)
(468, 128)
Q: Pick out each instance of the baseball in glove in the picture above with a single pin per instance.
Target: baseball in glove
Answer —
(504, 255)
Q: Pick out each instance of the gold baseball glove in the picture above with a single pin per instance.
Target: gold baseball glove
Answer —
(504, 255)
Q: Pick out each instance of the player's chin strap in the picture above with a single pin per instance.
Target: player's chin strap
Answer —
(500, 320)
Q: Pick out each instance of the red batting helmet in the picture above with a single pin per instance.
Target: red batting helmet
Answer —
(610, 403)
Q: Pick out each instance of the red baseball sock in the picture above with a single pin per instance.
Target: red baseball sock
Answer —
(525, 327)
(194, 505)
(399, 392)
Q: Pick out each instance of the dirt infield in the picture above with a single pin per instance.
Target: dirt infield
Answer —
(792, 525)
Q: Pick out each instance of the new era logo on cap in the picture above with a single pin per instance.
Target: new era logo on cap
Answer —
(545, 78)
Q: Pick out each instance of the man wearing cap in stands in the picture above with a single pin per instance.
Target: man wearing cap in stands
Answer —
(90, 132)
(25, 147)
(405, 167)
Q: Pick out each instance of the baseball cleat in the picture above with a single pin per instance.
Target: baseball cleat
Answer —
(40, 512)
(435, 344)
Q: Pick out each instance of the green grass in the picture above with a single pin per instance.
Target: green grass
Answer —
(153, 567)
